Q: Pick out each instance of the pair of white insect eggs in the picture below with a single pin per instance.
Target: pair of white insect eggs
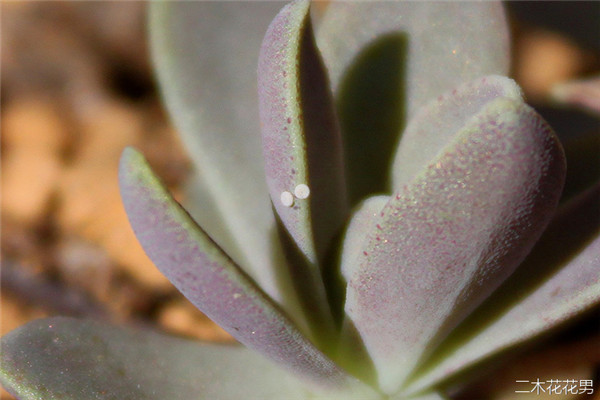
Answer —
(301, 191)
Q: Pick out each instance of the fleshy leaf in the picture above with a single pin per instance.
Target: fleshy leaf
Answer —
(441, 54)
(210, 279)
(351, 351)
(302, 152)
(558, 281)
(386, 59)
(301, 139)
(371, 105)
(443, 243)
(208, 78)
(583, 93)
(68, 359)
(436, 124)
(354, 238)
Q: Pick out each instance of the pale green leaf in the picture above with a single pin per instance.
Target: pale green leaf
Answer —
(386, 59)
(206, 55)
(443, 243)
(68, 359)
(211, 280)
(436, 124)
(302, 151)
(301, 139)
(355, 235)
(559, 280)
(449, 42)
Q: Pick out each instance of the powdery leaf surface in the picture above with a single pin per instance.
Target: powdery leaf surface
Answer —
(387, 59)
(444, 242)
(210, 279)
(69, 359)
(301, 140)
(449, 42)
(208, 78)
(354, 240)
(559, 280)
(436, 124)
(302, 152)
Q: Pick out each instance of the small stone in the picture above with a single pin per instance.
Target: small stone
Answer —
(181, 317)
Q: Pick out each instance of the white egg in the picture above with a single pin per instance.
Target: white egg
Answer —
(287, 199)
(302, 191)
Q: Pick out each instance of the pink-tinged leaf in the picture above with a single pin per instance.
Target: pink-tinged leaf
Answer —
(351, 350)
(388, 58)
(442, 244)
(583, 93)
(436, 124)
(210, 279)
(68, 359)
(301, 140)
(205, 55)
(558, 281)
(450, 42)
(354, 238)
(302, 152)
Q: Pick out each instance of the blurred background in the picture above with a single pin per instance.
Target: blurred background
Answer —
(77, 86)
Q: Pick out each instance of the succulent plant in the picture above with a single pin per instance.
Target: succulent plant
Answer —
(385, 263)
